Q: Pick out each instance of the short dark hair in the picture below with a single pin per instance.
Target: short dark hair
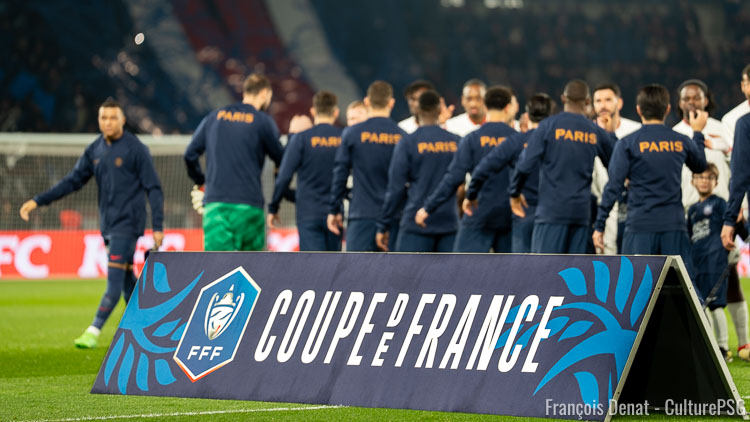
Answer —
(576, 91)
(416, 86)
(539, 107)
(610, 86)
(653, 100)
(324, 102)
(429, 102)
(710, 103)
(255, 83)
(710, 167)
(472, 82)
(380, 94)
(746, 71)
(498, 97)
(111, 103)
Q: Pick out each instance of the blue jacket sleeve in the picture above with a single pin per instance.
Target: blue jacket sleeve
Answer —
(461, 164)
(341, 167)
(740, 182)
(618, 172)
(270, 138)
(194, 151)
(150, 182)
(605, 146)
(289, 165)
(534, 152)
(73, 181)
(398, 176)
(696, 154)
(500, 156)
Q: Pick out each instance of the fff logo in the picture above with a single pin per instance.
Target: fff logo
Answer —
(217, 323)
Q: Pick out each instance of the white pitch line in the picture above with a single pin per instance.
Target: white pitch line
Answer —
(207, 412)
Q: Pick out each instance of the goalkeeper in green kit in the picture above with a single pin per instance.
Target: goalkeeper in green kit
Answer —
(236, 140)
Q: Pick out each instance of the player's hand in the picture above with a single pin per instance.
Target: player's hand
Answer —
(197, 195)
(598, 238)
(727, 237)
(697, 120)
(381, 240)
(335, 223)
(518, 206)
(26, 208)
(469, 206)
(607, 123)
(446, 112)
(158, 239)
(299, 123)
(523, 122)
(273, 220)
(420, 218)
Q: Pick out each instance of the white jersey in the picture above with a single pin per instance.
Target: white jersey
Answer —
(461, 125)
(714, 131)
(600, 179)
(730, 119)
(409, 125)
(717, 157)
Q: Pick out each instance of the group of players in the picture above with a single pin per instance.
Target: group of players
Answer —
(545, 183)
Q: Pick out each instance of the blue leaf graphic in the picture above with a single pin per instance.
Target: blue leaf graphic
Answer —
(556, 324)
(113, 357)
(601, 280)
(125, 368)
(163, 373)
(166, 328)
(524, 339)
(161, 284)
(609, 389)
(624, 283)
(574, 279)
(641, 296)
(178, 332)
(576, 329)
(141, 279)
(589, 387)
(504, 337)
(141, 372)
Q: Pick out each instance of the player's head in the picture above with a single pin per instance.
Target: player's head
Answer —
(111, 119)
(745, 84)
(325, 105)
(412, 93)
(356, 112)
(501, 98)
(694, 95)
(607, 100)
(576, 94)
(706, 182)
(257, 89)
(652, 102)
(380, 97)
(428, 107)
(472, 99)
(539, 107)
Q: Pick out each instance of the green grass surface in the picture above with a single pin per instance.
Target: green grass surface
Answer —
(43, 377)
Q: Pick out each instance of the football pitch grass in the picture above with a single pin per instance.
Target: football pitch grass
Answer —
(44, 378)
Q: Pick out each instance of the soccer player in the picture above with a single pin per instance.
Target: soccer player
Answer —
(694, 95)
(705, 219)
(356, 112)
(366, 150)
(475, 111)
(412, 93)
(566, 145)
(125, 176)
(236, 140)
(490, 227)
(416, 160)
(652, 158)
(730, 119)
(608, 103)
(539, 107)
(310, 154)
